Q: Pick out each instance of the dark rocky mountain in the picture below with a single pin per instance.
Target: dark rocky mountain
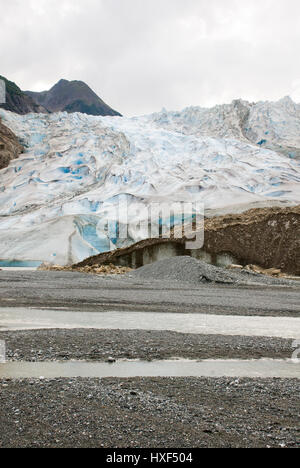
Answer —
(72, 96)
(10, 148)
(19, 102)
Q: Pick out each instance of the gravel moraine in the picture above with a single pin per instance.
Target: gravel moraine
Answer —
(193, 271)
(166, 413)
(98, 345)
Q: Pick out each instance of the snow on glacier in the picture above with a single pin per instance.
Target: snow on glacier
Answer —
(271, 125)
(76, 168)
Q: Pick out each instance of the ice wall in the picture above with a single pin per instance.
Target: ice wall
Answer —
(76, 168)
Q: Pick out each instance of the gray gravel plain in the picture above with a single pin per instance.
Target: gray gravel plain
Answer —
(99, 345)
(164, 413)
(78, 291)
(145, 412)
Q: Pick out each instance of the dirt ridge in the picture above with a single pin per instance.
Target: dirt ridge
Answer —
(267, 237)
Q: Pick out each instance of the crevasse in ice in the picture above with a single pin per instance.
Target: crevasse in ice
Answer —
(76, 168)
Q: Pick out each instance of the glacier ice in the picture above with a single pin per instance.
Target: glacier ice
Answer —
(271, 125)
(76, 168)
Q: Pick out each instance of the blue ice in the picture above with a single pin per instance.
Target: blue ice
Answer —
(37, 138)
(277, 194)
(19, 264)
(89, 234)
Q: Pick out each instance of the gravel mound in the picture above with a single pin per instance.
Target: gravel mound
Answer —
(190, 270)
(185, 269)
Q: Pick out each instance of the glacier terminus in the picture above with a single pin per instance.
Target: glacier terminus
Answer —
(76, 168)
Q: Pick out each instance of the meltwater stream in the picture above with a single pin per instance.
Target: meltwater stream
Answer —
(264, 368)
(28, 319)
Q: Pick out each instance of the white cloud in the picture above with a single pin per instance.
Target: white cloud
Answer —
(141, 55)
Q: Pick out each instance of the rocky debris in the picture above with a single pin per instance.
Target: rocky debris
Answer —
(94, 269)
(170, 412)
(235, 267)
(111, 345)
(266, 237)
(188, 270)
(185, 269)
(263, 271)
(111, 360)
(10, 148)
(270, 272)
(193, 271)
(277, 273)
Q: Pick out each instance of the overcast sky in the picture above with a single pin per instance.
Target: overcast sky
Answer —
(142, 55)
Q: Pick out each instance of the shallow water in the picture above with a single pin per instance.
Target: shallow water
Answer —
(26, 319)
(18, 268)
(176, 368)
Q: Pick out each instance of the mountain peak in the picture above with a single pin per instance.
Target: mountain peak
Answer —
(64, 82)
(72, 96)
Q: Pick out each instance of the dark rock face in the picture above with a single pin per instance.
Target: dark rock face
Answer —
(72, 96)
(10, 148)
(19, 102)
(268, 237)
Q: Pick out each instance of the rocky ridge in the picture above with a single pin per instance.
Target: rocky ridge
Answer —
(10, 148)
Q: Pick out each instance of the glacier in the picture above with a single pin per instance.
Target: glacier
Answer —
(76, 168)
(271, 125)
